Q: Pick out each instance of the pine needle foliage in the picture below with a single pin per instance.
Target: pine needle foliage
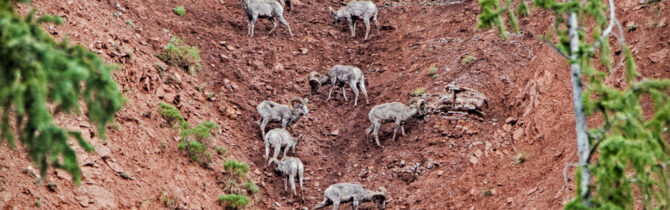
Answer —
(177, 53)
(632, 152)
(36, 73)
(179, 10)
(172, 115)
(195, 142)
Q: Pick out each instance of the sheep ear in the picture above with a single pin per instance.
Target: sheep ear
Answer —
(305, 100)
(331, 10)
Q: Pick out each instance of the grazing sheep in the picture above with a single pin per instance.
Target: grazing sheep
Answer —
(278, 138)
(354, 193)
(269, 9)
(285, 114)
(289, 167)
(394, 112)
(340, 75)
(357, 10)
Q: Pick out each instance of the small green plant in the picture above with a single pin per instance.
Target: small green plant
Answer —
(198, 88)
(179, 10)
(177, 53)
(130, 23)
(196, 151)
(467, 59)
(631, 27)
(117, 14)
(163, 145)
(210, 96)
(220, 150)
(251, 186)
(235, 201)
(172, 115)
(418, 91)
(235, 167)
(169, 202)
(200, 132)
(38, 203)
(432, 70)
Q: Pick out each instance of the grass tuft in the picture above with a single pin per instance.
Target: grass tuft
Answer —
(177, 53)
(235, 201)
(467, 59)
(236, 168)
(179, 10)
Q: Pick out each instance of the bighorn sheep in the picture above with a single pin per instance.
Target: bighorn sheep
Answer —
(340, 75)
(289, 167)
(357, 10)
(354, 193)
(269, 9)
(278, 138)
(285, 114)
(394, 112)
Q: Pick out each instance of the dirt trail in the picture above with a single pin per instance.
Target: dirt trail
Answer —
(529, 111)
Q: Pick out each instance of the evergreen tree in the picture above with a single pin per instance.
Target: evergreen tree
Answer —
(632, 152)
(37, 73)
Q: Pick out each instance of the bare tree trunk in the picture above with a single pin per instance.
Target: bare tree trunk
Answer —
(580, 120)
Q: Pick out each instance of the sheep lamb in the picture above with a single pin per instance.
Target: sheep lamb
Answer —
(394, 112)
(357, 10)
(285, 114)
(340, 75)
(269, 9)
(278, 138)
(289, 167)
(350, 192)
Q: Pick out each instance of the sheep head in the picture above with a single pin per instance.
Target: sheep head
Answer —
(273, 160)
(379, 197)
(419, 105)
(299, 105)
(336, 20)
(315, 81)
(297, 140)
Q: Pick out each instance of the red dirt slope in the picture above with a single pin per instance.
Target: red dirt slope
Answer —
(527, 83)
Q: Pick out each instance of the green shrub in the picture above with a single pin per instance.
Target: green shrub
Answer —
(220, 150)
(196, 151)
(467, 59)
(235, 201)
(251, 186)
(418, 91)
(200, 132)
(172, 115)
(235, 167)
(177, 53)
(179, 10)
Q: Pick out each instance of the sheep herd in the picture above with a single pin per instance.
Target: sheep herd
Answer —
(338, 75)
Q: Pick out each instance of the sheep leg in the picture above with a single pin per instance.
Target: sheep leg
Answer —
(352, 28)
(277, 148)
(284, 123)
(374, 19)
(352, 85)
(263, 124)
(332, 85)
(344, 94)
(367, 27)
(286, 150)
(253, 23)
(402, 129)
(336, 205)
(301, 171)
(274, 25)
(285, 187)
(361, 85)
(354, 204)
(283, 21)
(267, 150)
(395, 130)
(291, 179)
(323, 203)
(376, 133)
